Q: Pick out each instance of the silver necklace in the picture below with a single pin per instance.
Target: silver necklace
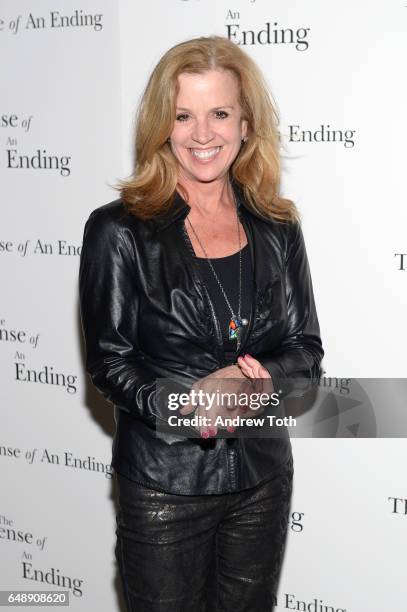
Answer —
(236, 321)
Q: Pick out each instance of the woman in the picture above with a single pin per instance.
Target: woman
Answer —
(199, 273)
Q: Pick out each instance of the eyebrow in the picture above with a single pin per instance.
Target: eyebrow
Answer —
(216, 107)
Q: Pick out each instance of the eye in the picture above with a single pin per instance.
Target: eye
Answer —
(182, 117)
(221, 114)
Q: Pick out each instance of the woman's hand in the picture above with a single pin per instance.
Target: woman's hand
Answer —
(251, 367)
(229, 379)
(248, 368)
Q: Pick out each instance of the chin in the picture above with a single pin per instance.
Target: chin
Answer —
(206, 176)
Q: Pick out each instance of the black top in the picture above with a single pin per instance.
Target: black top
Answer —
(227, 269)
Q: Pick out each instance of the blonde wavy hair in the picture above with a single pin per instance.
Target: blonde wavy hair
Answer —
(257, 168)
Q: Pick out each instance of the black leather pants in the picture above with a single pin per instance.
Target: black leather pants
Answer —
(205, 553)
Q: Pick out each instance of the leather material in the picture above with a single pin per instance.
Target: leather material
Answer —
(146, 313)
(208, 553)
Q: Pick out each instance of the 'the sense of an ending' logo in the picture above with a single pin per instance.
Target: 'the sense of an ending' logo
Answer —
(66, 459)
(38, 160)
(54, 20)
(322, 134)
(53, 576)
(40, 247)
(270, 33)
(398, 505)
(45, 375)
(49, 576)
(401, 259)
(289, 601)
(17, 158)
(295, 521)
(12, 533)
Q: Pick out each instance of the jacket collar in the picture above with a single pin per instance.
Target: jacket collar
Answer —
(180, 208)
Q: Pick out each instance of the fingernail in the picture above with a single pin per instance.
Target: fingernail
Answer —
(230, 429)
(212, 431)
(204, 434)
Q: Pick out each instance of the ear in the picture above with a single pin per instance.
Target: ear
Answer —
(244, 128)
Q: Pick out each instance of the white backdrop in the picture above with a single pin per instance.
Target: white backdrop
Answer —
(72, 74)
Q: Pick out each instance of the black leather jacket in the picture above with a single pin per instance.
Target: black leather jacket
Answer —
(146, 314)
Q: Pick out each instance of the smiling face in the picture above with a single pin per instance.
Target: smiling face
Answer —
(208, 128)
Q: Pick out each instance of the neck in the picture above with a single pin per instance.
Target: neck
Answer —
(207, 198)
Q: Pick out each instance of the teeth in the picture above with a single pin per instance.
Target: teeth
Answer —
(205, 154)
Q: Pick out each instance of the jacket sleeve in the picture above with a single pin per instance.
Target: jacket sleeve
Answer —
(109, 303)
(295, 364)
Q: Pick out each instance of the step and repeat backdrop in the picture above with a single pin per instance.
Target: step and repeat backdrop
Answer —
(71, 77)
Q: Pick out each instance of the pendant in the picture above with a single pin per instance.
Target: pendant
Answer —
(234, 327)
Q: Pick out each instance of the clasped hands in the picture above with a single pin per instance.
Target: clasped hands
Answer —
(244, 378)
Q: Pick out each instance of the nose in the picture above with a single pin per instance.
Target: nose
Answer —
(202, 131)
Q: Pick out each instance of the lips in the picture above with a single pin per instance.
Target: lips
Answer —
(205, 154)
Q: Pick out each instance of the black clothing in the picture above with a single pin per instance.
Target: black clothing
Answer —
(202, 553)
(146, 314)
(227, 270)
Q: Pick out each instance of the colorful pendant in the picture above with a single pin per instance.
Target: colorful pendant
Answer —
(234, 327)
